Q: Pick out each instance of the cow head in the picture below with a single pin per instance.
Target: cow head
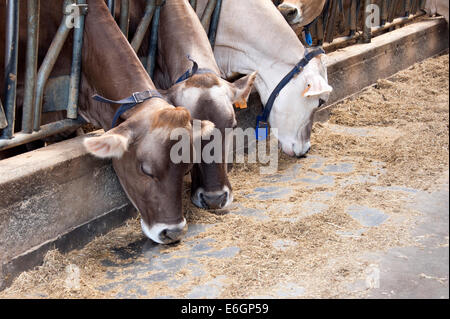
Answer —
(208, 97)
(294, 108)
(140, 149)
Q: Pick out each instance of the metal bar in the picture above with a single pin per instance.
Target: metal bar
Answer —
(124, 16)
(11, 55)
(143, 25)
(407, 7)
(331, 21)
(353, 18)
(151, 58)
(3, 122)
(367, 31)
(46, 69)
(345, 41)
(193, 4)
(393, 10)
(112, 7)
(206, 17)
(31, 64)
(45, 131)
(75, 72)
(214, 23)
(422, 4)
(384, 12)
(414, 6)
(320, 30)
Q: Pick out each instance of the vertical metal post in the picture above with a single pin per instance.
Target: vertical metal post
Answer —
(112, 7)
(75, 72)
(124, 16)
(206, 17)
(143, 25)
(422, 4)
(407, 7)
(367, 33)
(11, 54)
(47, 66)
(320, 30)
(193, 4)
(353, 18)
(414, 6)
(392, 9)
(31, 64)
(331, 21)
(384, 12)
(151, 58)
(214, 23)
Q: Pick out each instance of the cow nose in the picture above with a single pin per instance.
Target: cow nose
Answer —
(170, 236)
(303, 154)
(215, 200)
(288, 12)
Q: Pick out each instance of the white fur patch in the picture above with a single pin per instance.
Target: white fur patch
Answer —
(154, 231)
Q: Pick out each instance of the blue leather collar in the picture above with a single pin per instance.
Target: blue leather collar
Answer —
(262, 125)
(194, 70)
(129, 102)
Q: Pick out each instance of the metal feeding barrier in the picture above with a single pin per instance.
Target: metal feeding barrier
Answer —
(36, 80)
(341, 21)
(63, 91)
(344, 21)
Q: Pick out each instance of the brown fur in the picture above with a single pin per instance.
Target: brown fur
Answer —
(171, 118)
(204, 81)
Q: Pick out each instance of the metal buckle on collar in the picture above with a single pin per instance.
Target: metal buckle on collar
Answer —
(262, 129)
(136, 98)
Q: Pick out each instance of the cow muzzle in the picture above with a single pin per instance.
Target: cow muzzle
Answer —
(290, 13)
(165, 233)
(212, 200)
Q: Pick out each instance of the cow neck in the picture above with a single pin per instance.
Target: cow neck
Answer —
(181, 34)
(109, 62)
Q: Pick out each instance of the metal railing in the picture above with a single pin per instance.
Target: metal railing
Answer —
(37, 79)
(343, 22)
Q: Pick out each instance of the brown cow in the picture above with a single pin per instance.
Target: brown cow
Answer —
(301, 12)
(140, 145)
(206, 95)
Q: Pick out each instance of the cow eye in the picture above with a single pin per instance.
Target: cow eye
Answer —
(146, 172)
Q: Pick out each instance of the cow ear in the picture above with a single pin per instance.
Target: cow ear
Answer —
(242, 88)
(316, 86)
(110, 145)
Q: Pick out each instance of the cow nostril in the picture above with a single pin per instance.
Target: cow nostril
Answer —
(216, 201)
(172, 235)
(292, 12)
(321, 102)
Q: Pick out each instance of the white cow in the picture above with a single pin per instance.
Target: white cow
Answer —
(253, 36)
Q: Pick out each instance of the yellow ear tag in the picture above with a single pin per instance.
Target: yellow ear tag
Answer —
(241, 105)
(306, 90)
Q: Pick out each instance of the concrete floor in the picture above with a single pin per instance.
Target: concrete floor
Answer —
(403, 272)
